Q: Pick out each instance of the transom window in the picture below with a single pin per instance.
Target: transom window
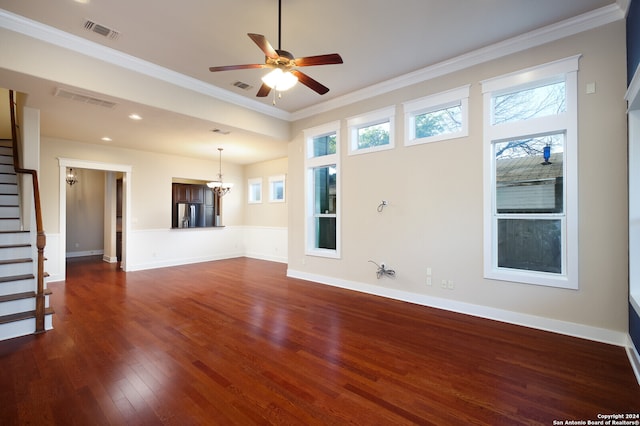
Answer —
(530, 175)
(437, 117)
(373, 131)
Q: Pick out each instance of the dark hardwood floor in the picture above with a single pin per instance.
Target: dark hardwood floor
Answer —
(235, 342)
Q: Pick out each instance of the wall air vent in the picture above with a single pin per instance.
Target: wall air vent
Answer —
(242, 85)
(101, 29)
(83, 97)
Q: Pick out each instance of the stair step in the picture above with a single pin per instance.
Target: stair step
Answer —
(10, 223)
(7, 168)
(16, 278)
(5, 319)
(15, 237)
(12, 261)
(14, 246)
(25, 295)
(17, 296)
(6, 177)
(9, 212)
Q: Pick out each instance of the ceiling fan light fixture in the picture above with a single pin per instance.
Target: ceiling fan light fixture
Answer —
(280, 80)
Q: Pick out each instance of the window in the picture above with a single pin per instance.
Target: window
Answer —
(276, 189)
(437, 117)
(372, 132)
(530, 163)
(255, 190)
(322, 189)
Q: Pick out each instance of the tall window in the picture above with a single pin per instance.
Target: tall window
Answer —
(322, 232)
(530, 163)
(254, 189)
(276, 189)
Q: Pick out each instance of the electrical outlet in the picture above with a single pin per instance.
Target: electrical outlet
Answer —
(450, 285)
(429, 282)
(443, 284)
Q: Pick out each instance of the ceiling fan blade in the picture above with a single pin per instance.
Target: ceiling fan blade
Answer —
(332, 58)
(239, 67)
(263, 91)
(310, 82)
(264, 45)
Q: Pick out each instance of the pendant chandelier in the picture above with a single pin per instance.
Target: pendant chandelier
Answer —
(220, 188)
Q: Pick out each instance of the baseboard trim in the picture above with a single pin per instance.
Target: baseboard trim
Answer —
(634, 359)
(179, 262)
(259, 256)
(532, 321)
(71, 254)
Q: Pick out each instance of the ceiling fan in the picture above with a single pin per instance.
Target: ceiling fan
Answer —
(285, 73)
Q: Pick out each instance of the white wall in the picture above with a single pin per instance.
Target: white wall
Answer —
(434, 216)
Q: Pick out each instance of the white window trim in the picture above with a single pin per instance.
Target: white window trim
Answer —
(371, 119)
(431, 103)
(250, 183)
(567, 123)
(310, 164)
(273, 179)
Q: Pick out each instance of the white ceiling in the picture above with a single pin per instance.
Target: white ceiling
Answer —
(378, 40)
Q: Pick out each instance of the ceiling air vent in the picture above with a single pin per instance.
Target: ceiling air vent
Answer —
(82, 97)
(242, 85)
(101, 29)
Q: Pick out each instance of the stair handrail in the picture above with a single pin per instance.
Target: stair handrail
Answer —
(41, 239)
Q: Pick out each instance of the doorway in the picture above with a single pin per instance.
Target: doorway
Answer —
(113, 173)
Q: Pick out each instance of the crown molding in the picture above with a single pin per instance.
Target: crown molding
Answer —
(48, 34)
(575, 25)
(566, 28)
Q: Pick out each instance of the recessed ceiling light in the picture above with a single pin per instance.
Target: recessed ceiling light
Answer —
(106, 139)
(135, 117)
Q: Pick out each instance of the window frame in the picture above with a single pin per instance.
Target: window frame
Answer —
(567, 123)
(312, 163)
(272, 181)
(250, 183)
(369, 119)
(433, 103)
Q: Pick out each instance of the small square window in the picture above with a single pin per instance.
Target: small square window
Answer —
(255, 190)
(276, 189)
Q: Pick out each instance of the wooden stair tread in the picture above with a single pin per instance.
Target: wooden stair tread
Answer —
(20, 296)
(17, 296)
(14, 261)
(16, 278)
(5, 319)
(11, 246)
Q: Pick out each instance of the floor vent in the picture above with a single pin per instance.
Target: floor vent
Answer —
(82, 97)
(101, 30)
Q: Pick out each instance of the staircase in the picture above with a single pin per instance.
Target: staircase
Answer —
(18, 259)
